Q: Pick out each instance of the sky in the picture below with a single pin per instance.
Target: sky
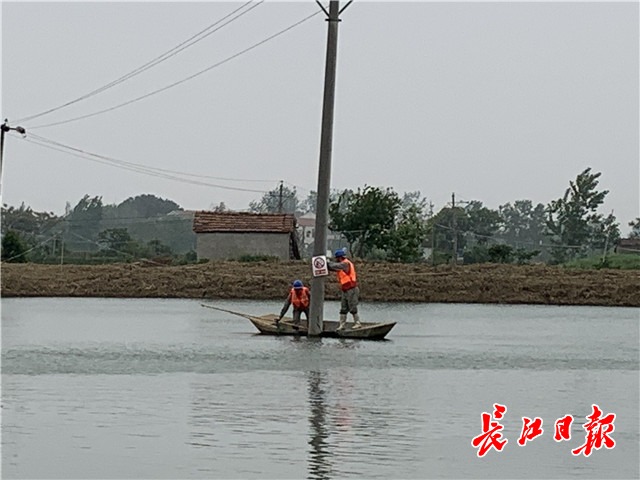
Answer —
(495, 102)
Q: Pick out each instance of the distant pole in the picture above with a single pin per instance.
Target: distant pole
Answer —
(316, 308)
(280, 199)
(3, 129)
(606, 243)
(454, 260)
(433, 235)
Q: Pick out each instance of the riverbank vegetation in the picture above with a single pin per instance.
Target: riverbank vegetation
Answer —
(374, 224)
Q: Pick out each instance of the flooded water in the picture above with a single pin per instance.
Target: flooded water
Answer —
(129, 388)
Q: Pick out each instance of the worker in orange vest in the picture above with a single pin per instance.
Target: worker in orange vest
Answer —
(347, 278)
(299, 296)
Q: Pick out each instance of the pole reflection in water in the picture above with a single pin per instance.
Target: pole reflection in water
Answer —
(319, 465)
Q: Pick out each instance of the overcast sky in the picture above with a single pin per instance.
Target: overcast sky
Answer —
(496, 102)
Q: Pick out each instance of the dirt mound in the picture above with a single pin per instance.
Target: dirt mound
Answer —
(530, 284)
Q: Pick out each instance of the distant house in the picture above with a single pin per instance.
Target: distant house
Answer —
(307, 228)
(628, 245)
(230, 235)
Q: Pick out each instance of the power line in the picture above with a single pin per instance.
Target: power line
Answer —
(179, 82)
(126, 165)
(146, 167)
(170, 53)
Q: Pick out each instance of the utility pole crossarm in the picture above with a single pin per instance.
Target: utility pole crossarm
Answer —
(4, 128)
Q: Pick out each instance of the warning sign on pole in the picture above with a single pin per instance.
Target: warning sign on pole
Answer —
(319, 266)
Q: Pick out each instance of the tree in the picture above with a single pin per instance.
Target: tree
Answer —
(635, 228)
(407, 239)
(155, 248)
(522, 223)
(366, 218)
(220, 208)
(115, 242)
(500, 253)
(84, 224)
(573, 223)
(145, 206)
(468, 228)
(482, 222)
(308, 205)
(448, 224)
(13, 248)
(282, 199)
(24, 219)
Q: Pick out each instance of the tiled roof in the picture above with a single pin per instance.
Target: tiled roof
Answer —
(212, 222)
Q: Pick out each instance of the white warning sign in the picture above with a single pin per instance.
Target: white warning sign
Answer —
(319, 266)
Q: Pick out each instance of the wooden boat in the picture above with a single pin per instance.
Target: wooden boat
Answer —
(266, 324)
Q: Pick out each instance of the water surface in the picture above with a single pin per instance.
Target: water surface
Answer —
(147, 388)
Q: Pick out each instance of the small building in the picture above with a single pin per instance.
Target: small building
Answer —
(306, 225)
(231, 235)
(628, 245)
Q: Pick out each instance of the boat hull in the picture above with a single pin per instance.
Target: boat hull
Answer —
(266, 324)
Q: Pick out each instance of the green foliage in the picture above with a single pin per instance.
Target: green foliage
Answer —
(522, 223)
(13, 248)
(635, 228)
(149, 218)
(524, 256)
(500, 253)
(116, 242)
(573, 223)
(475, 254)
(23, 219)
(442, 227)
(407, 239)
(481, 221)
(155, 248)
(83, 224)
(366, 218)
(614, 261)
(145, 206)
(467, 227)
(379, 225)
(282, 199)
(188, 258)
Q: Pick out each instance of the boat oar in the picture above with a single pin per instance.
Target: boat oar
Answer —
(244, 315)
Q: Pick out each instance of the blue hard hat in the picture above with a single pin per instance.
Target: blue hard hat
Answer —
(339, 253)
(298, 284)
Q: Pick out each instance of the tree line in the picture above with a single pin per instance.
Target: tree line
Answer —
(375, 223)
(144, 226)
(379, 224)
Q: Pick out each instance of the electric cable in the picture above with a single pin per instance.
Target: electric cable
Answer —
(170, 53)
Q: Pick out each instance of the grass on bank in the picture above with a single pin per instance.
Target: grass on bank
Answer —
(615, 261)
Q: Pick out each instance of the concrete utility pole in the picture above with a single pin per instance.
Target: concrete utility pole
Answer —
(3, 129)
(316, 308)
(454, 260)
(280, 202)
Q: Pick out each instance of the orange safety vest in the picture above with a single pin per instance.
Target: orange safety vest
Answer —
(347, 280)
(301, 301)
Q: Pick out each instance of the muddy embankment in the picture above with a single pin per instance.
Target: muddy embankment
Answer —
(509, 284)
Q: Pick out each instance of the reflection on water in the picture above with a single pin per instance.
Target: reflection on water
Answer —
(96, 388)
(319, 458)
